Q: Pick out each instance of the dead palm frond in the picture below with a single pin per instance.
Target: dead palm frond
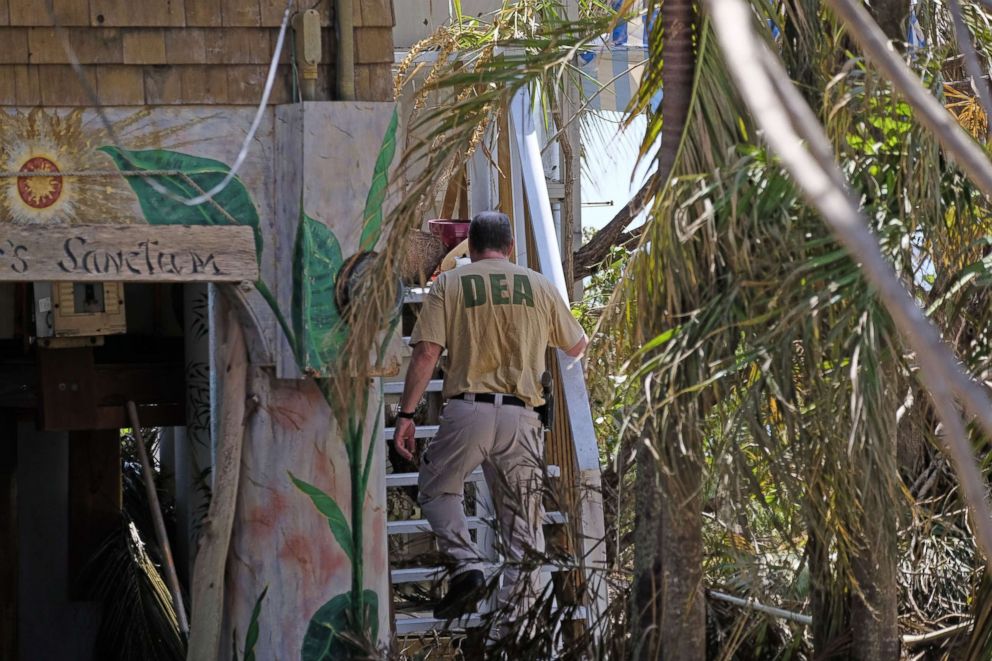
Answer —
(138, 620)
(968, 111)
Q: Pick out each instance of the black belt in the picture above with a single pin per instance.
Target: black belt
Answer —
(490, 398)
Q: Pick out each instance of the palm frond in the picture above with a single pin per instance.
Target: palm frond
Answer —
(138, 621)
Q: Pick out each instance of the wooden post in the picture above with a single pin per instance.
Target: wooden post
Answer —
(94, 497)
(505, 173)
(8, 535)
(215, 536)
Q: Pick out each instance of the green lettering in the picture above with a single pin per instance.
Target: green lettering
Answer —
(522, 293)
(501, 293)
(474, 290)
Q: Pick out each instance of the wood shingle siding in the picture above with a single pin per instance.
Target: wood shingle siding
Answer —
(204, 13)
(13, 46)
(178, 13)
(145, 46)
(137, 52)
(130, 13)
(374, 21)
(127, 85)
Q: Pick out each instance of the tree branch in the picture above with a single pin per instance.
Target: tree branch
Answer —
(598, 247)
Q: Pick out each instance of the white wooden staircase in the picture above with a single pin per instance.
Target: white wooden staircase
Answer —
(410, 539)
(583, 531)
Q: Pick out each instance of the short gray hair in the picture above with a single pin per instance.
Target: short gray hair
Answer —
(490, 230)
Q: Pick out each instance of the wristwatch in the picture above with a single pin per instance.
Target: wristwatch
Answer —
(404, 414)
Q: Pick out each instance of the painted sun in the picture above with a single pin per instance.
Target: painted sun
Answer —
(53, 173)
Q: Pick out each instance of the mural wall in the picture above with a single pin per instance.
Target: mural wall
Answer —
(310, 188)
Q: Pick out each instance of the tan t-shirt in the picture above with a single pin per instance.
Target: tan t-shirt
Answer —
(496, 319)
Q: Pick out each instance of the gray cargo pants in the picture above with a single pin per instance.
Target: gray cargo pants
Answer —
(508, 441)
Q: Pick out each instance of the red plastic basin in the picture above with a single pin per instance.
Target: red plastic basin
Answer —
(451, 232)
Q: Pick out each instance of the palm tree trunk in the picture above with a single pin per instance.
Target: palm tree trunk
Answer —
(678, 20)
(669, 614)
(683, 613)
(875, 610)
(646, 591)
(669, 608)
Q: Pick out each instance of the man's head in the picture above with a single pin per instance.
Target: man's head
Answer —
(489, 233)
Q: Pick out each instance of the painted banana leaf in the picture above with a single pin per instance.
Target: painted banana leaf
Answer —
(251, 638)
(322, 642)
(317, 324)
(330, 509)
(231, 206)
(372, 218)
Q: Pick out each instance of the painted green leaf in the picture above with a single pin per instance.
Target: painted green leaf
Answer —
(320, 332)
(372, 218)
(251, 638)
(231, 206)
(335, 517)
(321, 642)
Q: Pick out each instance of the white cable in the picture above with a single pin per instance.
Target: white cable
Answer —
(242, 154)
(269, 81)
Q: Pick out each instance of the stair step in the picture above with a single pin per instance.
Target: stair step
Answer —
(415, 294)
(423, 431)
(421, 622)
(410, 479)
(414, 526)
(421, 574)
(396, 387)
(416, 574)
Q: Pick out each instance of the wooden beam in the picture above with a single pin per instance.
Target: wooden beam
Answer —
(75, 394)
(215, 536)
(94, 498)
(115, 417)
(131, 253)
(157, 387)
(148, 383)
(66, 383)
(8, 536)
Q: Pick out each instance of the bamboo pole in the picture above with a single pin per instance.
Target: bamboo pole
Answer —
(163, 539)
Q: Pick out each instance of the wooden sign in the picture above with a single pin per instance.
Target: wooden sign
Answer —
(132, 253)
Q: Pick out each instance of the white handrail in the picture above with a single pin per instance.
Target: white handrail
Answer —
(591, 524)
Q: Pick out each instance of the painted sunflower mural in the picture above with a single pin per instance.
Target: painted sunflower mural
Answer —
(44, 141)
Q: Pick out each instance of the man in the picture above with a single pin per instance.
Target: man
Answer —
(496, 320)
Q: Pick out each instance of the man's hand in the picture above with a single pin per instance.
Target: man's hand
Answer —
(405, 438)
